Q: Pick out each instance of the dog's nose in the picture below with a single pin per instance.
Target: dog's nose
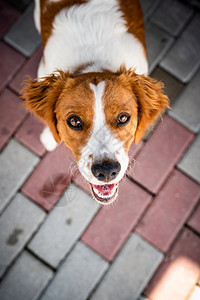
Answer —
(106, 170)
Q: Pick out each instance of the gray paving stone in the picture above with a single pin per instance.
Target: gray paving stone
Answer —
(63, 226)
(183, 59)
(130, 272)
(26, 279)
(148, 7)
(190, 163)
(172, 15)
(172, 86)
(143, 298)
(17, 224)
(20, 4)
(16, 163)
(158, 42)
(187, 108)
(78, 275)
(23, 35)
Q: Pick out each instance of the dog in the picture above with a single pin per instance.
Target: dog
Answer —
(92, 90)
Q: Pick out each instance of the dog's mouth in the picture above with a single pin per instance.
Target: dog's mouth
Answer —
(104, 194)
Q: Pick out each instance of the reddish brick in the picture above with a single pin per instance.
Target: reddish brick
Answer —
(12, 114)
(179, 271)
(80, 181)
(194, 221)
(135, 149)
(7, 17)
(112, 225)
(50, 178)
(10, 63)
(161, 153)
(30, 68)
(169, 211)
(29, 134)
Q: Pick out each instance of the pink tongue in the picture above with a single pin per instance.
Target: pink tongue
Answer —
(104, 189)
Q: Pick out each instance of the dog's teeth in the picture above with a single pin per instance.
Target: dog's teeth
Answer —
(101, 195)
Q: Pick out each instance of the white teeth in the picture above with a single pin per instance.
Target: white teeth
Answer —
(105, 196)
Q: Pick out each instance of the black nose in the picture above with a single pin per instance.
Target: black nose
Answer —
(106, 170)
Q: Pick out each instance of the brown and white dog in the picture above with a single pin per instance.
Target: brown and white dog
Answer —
(93, 91)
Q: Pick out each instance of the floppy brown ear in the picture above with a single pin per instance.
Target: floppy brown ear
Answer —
(41, 97)
(150, 100)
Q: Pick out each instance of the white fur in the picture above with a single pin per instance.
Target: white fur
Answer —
(101, 143)
(92, 32)
(36, 15)
(47, 139)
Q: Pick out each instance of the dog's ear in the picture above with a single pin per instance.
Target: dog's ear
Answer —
(41, 97)
(151, 102)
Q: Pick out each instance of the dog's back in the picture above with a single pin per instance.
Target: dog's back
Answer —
(92, 35)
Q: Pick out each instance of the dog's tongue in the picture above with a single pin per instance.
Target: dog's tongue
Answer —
(105, 189)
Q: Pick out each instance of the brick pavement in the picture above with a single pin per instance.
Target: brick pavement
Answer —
(55, 241)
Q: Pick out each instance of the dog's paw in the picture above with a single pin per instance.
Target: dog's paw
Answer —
(47, 140)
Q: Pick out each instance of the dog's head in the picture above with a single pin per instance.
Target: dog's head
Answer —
(97, 115)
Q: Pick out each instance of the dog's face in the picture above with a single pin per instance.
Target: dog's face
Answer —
(97, 115)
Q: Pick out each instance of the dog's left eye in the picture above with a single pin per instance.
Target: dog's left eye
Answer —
(122, 119)
(75, 122)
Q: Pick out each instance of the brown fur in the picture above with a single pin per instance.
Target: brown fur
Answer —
(41, 98)
(48, 12)
(55, 98)
(134, 19)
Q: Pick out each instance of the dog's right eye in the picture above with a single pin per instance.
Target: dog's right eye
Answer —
(74, 122)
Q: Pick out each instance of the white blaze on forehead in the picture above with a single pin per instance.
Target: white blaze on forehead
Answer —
(102, 143)
(99, 132)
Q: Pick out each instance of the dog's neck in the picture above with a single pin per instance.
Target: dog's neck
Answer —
(90, 67)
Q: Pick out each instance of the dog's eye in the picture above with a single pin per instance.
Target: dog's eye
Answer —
(122, 119)
(75, 122)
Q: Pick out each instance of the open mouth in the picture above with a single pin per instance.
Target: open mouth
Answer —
(104, 194)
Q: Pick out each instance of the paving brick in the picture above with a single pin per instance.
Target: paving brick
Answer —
(7, 16)
(29, 135)
(16, 164)
(78, 275)
(17, 224)
(63, 226)
(130, 271)
(23, 35)
(81, 182)
(194, 221)
(161, 153)
(172, 86)
(169, 211)
(148, 7)
(187, 108)
(10, 63)
(20, 4)
(195, 294)
(12, 114)
(135, 149)
(190, 163)
(158, 43)
(179, 271)
(183, 58)
(29, 69)
(112, 225)
(26, 280)
(171, 16)
(50, 178)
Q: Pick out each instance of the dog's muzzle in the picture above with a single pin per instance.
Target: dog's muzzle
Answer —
(105, 171)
